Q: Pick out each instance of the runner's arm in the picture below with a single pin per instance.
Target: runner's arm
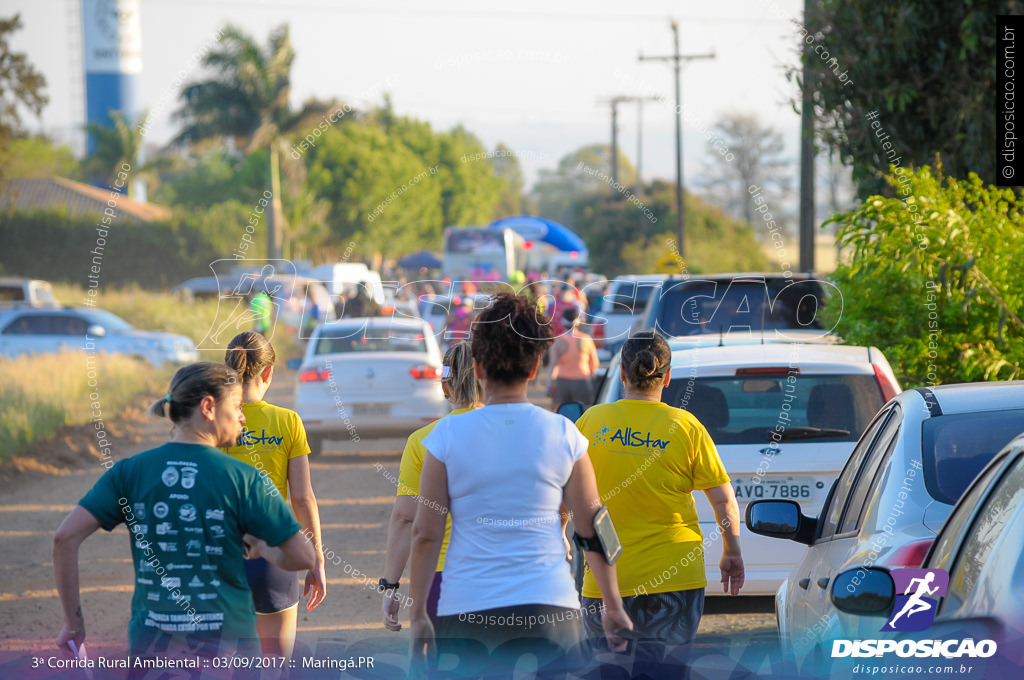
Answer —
(295, 554)
(76, 527)
(727, 514)
(304, 505)
(399, 538)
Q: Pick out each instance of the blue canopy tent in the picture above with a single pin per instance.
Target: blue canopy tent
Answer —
(421, 260)
(546, 231)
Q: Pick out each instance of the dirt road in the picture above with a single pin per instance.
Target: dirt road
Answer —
(355, 500)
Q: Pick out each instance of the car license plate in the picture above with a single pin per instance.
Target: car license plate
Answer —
(774, 486)
(371, 409)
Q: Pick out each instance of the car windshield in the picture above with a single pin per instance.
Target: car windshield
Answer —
(749, 409)
(344, 339)
(956, 447)
(695, 307)
(109, 321)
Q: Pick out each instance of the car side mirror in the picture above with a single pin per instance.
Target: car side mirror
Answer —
(294, 364)
(865, 591)
(780, 519)
(572, 410)
(96, 331)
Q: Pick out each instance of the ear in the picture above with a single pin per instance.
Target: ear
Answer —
(479, 371)
(622, 375)
(267, 374)
(536, 367)
(208, 407)
(668, 377)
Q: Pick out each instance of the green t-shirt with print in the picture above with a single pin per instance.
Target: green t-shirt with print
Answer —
(187, 507)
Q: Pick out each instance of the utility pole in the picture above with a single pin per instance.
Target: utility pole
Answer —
(614, 102)
(677, 61)
(807, 163)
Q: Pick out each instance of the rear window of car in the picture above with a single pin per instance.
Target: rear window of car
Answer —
(633, 294)
(355, 339)
(955, 447)
(748, 409)
(12, 294)
(696, 307)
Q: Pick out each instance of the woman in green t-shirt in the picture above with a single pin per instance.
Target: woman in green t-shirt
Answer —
(191, 512)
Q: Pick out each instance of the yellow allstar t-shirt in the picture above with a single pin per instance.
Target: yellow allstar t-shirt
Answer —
(270, 438)
(648, 458)
(412, 466)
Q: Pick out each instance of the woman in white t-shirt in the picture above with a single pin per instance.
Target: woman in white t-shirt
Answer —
(504, 471)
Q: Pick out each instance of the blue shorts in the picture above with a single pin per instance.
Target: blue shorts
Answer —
(273, 589)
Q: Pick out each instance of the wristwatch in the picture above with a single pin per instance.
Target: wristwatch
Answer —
(592, 544)
(383, 585)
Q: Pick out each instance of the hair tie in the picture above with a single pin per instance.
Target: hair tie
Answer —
(168, 398)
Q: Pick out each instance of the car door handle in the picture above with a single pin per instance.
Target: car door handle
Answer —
(804, 582)
(823, 582)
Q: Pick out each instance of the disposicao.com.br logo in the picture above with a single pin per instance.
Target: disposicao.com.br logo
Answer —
(916, 595)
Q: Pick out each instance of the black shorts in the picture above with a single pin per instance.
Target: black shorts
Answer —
(273, 588)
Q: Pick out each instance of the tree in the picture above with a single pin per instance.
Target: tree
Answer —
(245, 100)
(506, 168)
(576, 177)
(115, 147)
(935, 278)
(20, 85)
(746, 154)
(38, 156)
(927, 66)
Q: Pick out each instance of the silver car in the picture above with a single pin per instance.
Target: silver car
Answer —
(909, 468)
(981, 547)
(41, 330)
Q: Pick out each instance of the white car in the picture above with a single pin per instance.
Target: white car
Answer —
(784, 418)
(367, 377)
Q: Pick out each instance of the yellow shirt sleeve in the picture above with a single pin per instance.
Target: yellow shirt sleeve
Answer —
(411, 466)
(706, 465)
(299, 443)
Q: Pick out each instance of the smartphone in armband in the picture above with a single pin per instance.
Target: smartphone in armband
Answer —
(606, 540)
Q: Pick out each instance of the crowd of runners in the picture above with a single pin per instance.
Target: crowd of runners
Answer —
(223, 518)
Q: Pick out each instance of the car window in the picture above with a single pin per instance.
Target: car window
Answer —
(35, 324)
(871, 472)
(66, 324)
(956, 447)
(831, 515)
(12, 294)
(705, 307)
(397, 340)
(745, 409)
(991, 524)
(953, 530)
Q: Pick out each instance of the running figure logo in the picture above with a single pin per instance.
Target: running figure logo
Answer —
(921, 590)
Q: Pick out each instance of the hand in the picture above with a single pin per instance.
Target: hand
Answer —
(568, 549)
(422, 632)
(66, 634)
(389, 610)
(316, 586)
(732, 573)
(254, 547)
(615, 621)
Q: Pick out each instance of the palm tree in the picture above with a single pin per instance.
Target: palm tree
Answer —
(114, 147)
(245, 100)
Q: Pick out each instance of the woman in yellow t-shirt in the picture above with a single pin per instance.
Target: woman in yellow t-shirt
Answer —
(273, 441)
(460, 387)
(648, 458)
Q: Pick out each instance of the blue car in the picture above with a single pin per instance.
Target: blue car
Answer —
(34, 330)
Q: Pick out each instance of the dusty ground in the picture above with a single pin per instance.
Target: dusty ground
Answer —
(37, 490)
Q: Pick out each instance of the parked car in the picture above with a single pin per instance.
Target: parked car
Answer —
(910, 467)
(615, 313)
(767, 304)
(44, 330)
(17, 292)
(365, 377)
(981, 547)
(784, 418)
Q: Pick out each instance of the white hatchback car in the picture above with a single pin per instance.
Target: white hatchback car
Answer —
(365, 377)
(784, 418)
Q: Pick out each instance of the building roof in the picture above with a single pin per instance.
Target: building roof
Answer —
(50, 193)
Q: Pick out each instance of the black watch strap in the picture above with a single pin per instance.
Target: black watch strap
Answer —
(383, 585)
(591, 544)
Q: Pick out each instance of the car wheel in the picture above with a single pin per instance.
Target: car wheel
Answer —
(316, 446)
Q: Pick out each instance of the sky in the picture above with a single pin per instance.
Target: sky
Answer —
(530, 74)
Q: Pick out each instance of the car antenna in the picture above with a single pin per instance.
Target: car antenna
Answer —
(762, 324)
(721, 337)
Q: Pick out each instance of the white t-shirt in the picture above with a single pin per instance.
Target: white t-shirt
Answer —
(507, 465)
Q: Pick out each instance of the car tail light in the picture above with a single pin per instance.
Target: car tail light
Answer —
(314, 375)
(387, 310)
(910, 555)
(599, 335)
(888, 389)
(425, 372)
(768, 370)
